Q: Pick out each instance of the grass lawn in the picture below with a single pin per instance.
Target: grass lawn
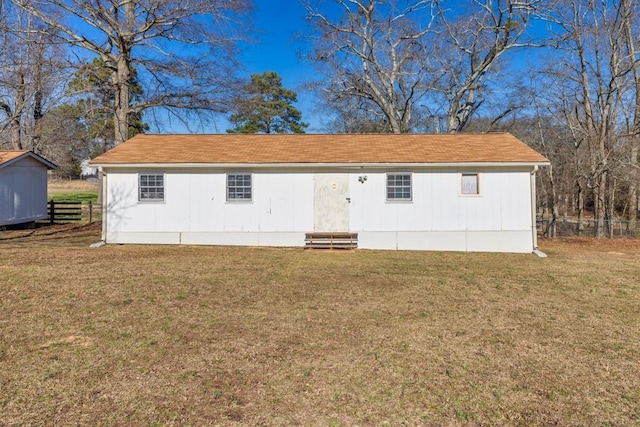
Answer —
(72, 190)
(74, 196)
(60, 190)
(184, 335)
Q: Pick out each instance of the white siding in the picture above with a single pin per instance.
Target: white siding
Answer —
(23, 192)
(195, 203)
(439, 216)
(504, 203)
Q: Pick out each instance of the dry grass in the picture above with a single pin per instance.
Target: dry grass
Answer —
(70, 185)
(72, 190)
(178, 335)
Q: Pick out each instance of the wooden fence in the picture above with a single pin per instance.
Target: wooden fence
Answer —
(571, 226)
(69, 211)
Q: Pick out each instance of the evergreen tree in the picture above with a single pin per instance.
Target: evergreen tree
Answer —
(266, 107)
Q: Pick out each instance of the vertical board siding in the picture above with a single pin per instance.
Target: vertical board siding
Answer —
(282, 209)
(196, 202)
(504, 203)
(23, 192)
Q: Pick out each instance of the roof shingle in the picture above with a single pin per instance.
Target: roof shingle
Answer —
(8, 157)
(5, 156)
(319, 149)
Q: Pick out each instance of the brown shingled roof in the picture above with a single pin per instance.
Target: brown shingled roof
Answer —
(5, 156)
(328, 148)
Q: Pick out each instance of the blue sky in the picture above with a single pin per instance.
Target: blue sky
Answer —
(277, 42)
(280, 30)
(279, 25)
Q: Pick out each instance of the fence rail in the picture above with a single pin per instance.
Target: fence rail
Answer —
(69, 211)
(571, 226)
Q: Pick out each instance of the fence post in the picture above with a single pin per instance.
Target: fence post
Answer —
(52, 211)
(90, 212)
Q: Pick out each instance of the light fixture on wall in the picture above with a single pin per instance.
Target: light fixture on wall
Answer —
(362, 178)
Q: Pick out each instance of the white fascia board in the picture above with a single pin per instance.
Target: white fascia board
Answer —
(354, 166)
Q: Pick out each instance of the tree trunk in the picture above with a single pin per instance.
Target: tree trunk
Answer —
(38, 95)
(632, 195)
(611, 199)
(121, 77)
(461, 111)
(554, 203)
(629, 16)
(16, 141)
(580, 196)
(16, 117)
(452, 119)
(393, 122)
(600, 205)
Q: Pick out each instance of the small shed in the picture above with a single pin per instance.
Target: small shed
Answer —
(420, 192)
(23, 187)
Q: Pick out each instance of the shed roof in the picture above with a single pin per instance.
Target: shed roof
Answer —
(321, 149)
(9, 157)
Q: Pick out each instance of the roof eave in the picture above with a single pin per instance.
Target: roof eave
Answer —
(377, 165)
(41, 159)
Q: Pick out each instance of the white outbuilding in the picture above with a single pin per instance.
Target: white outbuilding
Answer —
(23, 187)
(452, 192)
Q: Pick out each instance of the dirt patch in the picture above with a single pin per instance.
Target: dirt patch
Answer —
(72, 340)
(52, 233)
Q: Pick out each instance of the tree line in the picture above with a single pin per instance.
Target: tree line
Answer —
(79, 77)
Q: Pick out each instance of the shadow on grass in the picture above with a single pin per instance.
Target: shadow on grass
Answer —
(46, 231)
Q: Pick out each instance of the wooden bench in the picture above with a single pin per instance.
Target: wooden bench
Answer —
(331, 240)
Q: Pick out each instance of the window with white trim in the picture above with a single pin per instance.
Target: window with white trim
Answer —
(239, 187)
(470, 184)
(151, 187)
(399, 187)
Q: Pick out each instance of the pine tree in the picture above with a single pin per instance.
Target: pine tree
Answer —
(266, 107)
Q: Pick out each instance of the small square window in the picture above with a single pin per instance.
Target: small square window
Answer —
(239, 187)
(398, 186)
(470, 183)
(151, 187)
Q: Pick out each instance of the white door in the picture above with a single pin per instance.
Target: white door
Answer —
(331, 202)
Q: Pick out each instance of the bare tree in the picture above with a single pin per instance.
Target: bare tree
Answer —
(374, 52)
(467, 46)
(351, 115)
(32, 70)
(181, 48)
(629, 11)
(420, 54)
(13, 69)
(592, 80)
(547, 133)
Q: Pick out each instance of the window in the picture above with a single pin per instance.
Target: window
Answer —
(398, 186)
(470, 183)
(239, 186)
(151, 187)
